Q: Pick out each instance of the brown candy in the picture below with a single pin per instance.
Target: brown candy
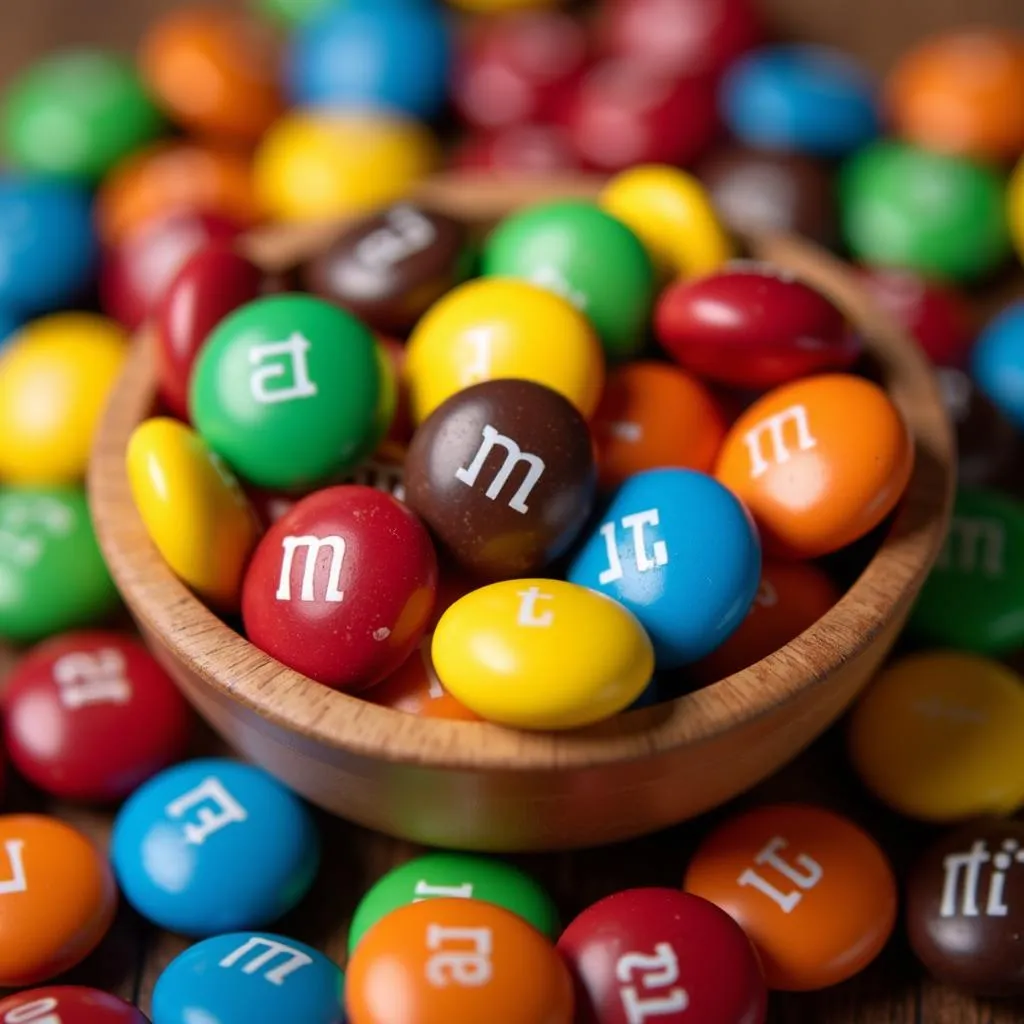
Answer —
(503, 472)
(389, 268)
(764, 191)
(965, 908)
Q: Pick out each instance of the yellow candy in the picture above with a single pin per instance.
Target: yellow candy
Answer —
(938, 737)
(499, 327)
(541, 654)
(671, 213)
(1015, 207)
(316, 166)
(193, 508)
(55, 376)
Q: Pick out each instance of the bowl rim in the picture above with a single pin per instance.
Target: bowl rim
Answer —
(197, 639)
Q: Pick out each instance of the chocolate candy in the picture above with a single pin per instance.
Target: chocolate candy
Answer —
(965, 908)
(503, 473)
(389, 267)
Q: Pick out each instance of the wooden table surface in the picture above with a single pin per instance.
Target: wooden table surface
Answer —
(893, 990)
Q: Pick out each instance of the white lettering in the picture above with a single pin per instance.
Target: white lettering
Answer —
(381, 476)
(424, 890)
(967, 866)
(805, 879)
(313, 546)
(228, 810)
(467, 968)
(974, 545)
(17, 882)
(271, 951)
(774, 427)
(33, 1013)
(528, 608)
(645, 562)
(659, 971)
(294, 350)
(84, 678)
(22, 523)
(513, 456)
(406, 233)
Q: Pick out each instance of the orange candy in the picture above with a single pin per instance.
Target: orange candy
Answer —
(819, 462)
(653, 415)
(813, 892)
(214, 72)
(57, 898)
(961, 93)
(791, 598)
(456, 960)
(170, 177)
(415, 689)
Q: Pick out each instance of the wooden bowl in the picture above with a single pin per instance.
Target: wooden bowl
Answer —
(478, 786)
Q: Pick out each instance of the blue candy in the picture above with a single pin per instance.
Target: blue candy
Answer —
(808, 99)
(48, 246)
(249, 978)
(9, 323)
(681, 552)
(997, 362)
(392, 56)
(214, 846)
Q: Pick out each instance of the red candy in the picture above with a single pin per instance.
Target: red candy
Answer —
(67, 1004)
(137, 271)
(625, 112)
(213, 282)
(664, 957)
(519, 148)
(90, 716)
(514, 69)
(749, 327)
(342, 587)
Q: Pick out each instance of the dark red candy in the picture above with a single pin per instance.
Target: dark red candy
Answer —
(625, 112)
(91, 715)
(661, 956)
(503, 473)
(750, 326)
(68, 1004)
(513, 68)
(213, 282)
(937, 315)
(342, 586)
(517, 149)
(137, 272)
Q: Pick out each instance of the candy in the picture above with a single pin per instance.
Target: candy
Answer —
(510, 652)
(755, 190)
(317, 165)
(936, 736)
(291, 12)
(68, 1004)
(997, 361)
(650, 954)
(54, 385)
(388, 268)
(212, 846)
(52, 575)
(813, 892)
(391, 57)
(249, 978)
(965, 911)
(75, 114)
(576, 250)
(672, 215)
(503, 473)
(136, 273)
(681, 553)
(193, 509)
(1015, 207)
(287, 389)
(48, 249)
(971, 598)
(750, 327)
(9, 325)
(493, 328)
(654, 415)
(813, 485)
(415, 689)
(808, 99)
(625, 112)
(958, 93)
(456, 960)
(939, 215)
(454, 876)
(341, 587)
(59, 899)
(498, 6)
(516, 149)
(214, 72)
(90, 716)
(174, 177)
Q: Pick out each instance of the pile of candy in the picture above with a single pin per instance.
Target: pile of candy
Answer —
(423, 462)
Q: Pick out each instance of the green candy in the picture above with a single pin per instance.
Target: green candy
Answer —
(974, 597)
(290, 391)
(577, 250)
(293, 12)
(939, 215)
(459, 875)
(52, 575)
(76, 114)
